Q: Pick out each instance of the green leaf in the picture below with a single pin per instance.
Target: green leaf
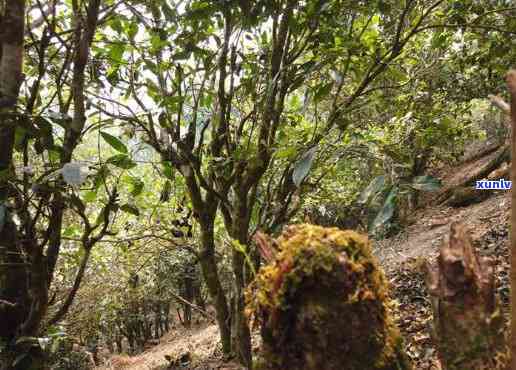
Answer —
(167, 170)
(302, 167)
(89, 196)
(286, 153)
(112, 75)
(185, 54)
(122, 161)
(116, 52)
(150, 65)
(372, 189)
(386, 212)
(54, 155)
(426, 183)
(322, 91)
(131, 29)
(173, 100)
(116, 24)
(62, 119)
(114, 142)
(308, 66)
(170, 14)
(101, 176)
(129, 208)
(157, 43)
(20, 135)
(71, 231)
(206, 100)
(136, 186)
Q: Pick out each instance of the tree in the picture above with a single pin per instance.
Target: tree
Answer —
(218, 109)
(13, 303)
(511, 84)
(35, 194)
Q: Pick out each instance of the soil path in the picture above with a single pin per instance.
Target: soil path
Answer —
(424, 236)
(201, 342)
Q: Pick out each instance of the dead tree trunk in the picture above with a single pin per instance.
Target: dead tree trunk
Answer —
(458, 192)
(511, 84)
(322, 303)
(468, 326)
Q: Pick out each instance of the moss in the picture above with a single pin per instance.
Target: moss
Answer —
(323, 304)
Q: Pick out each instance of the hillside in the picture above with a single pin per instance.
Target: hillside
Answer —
(402, 257)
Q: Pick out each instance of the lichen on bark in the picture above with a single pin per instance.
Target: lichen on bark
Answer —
(322, 303)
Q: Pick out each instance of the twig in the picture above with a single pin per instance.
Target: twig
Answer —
(195, 307)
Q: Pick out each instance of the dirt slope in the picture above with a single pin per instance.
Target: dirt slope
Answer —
(200, 341)
(403, 256)
(424, 236)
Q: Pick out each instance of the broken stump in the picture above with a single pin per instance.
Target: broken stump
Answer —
(468, 327)
(322, 304)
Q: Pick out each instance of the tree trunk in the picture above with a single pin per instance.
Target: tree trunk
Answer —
(15, 303)
(466, 195)
(511, 83)
(188, 295)
(468, 326)
(323, 304)
(488, 165)
(211, 277)
(241, 336)
(198, 296)
(158, 319)
(166, 317)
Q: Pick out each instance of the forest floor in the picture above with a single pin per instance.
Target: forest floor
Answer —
(402, 258)
(201, 342)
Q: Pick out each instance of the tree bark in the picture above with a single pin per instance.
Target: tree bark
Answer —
(188, 294)
(467, 195)
(468, 325)
(211, 277)
(511, 84)
(241, 336)
(206, 210)
(58, 316)
(501, 155)
(13, 283)
(15, 304)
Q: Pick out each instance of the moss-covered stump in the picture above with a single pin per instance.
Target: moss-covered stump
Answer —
(468, 325)
(322, 304)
